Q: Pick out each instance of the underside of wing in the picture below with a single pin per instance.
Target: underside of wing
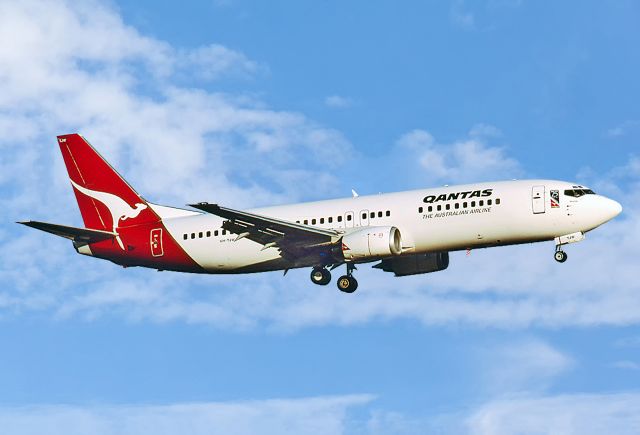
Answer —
(80, 236)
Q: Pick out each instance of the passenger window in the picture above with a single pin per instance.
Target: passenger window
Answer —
(439, 207)
(388, 213)
(348, 217)
(464, 205)
(473, 203)
(481, 202)
(208, 233)
(339, 218)
(456, 206)
(420, 209)
(497, 201)
(364, 215)
(185, 237)
(488, 202)
(379, 214)
(321, 220)
(193, 235)
(297, 222)
(372, 214)
(215, 233)
(306, 222)
(313, 221)
(430, 208)
(200, 234)
(448, 206)
(330, 219)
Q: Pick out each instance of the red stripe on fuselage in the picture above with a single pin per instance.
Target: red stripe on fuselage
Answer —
(137, 241)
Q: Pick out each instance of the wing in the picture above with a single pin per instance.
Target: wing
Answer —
(80, 236)
(292, 239)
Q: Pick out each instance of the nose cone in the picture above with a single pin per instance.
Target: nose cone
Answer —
(610, 208)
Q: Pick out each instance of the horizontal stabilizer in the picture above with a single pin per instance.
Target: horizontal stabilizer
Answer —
(78, 235)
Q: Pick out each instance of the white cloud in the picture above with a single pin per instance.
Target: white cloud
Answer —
(215, 60)
(580, 414)
(528, 365)
(623, 128)
(114, 85)
(461, 16)
(77, 67)
(337, 101)
(321, 415)
(470, 159)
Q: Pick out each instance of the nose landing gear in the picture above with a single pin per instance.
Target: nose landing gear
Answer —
(560, 256)
(347, 283)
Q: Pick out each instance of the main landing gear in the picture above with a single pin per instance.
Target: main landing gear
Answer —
(347, 283)
(320, 276)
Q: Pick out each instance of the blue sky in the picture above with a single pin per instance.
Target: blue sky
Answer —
(254, 103)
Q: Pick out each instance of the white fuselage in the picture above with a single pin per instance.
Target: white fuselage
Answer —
(514, 212)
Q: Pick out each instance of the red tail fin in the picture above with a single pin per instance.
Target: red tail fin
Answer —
(106, 200)
(108, 203)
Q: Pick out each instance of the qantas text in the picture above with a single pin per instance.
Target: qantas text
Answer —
(458, 195)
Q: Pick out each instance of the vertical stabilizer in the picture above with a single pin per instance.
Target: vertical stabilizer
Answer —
(106, 201)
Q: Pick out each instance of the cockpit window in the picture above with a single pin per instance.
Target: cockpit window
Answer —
(576, 193)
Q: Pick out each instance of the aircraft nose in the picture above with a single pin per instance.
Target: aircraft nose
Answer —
(611, 208)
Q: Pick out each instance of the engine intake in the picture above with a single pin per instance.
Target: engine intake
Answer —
(372, 242)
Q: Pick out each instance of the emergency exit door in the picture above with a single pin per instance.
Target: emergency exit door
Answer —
(537, 198)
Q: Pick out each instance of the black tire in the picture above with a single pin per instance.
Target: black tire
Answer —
(560, 256)
(347, 284)
(320, 276)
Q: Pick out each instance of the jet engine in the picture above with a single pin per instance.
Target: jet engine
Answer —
(415, 264)
(372, 242)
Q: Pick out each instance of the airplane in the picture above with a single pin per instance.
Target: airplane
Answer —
(406, 233)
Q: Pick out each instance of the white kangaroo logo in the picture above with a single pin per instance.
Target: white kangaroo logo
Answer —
(118, 208)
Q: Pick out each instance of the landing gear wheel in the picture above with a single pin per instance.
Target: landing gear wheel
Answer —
(560, 256)
(347, 284)
(320, 276)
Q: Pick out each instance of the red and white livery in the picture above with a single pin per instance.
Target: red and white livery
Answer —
(406, 233)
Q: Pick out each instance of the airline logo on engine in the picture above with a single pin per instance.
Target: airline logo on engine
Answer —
(430, 199)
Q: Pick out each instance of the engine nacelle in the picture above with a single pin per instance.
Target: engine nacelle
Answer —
(415, 264)
(372, 242)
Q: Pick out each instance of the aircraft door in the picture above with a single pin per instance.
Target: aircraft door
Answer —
(537, 199)
(364, 218)
(156, 242)
(348, 219)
